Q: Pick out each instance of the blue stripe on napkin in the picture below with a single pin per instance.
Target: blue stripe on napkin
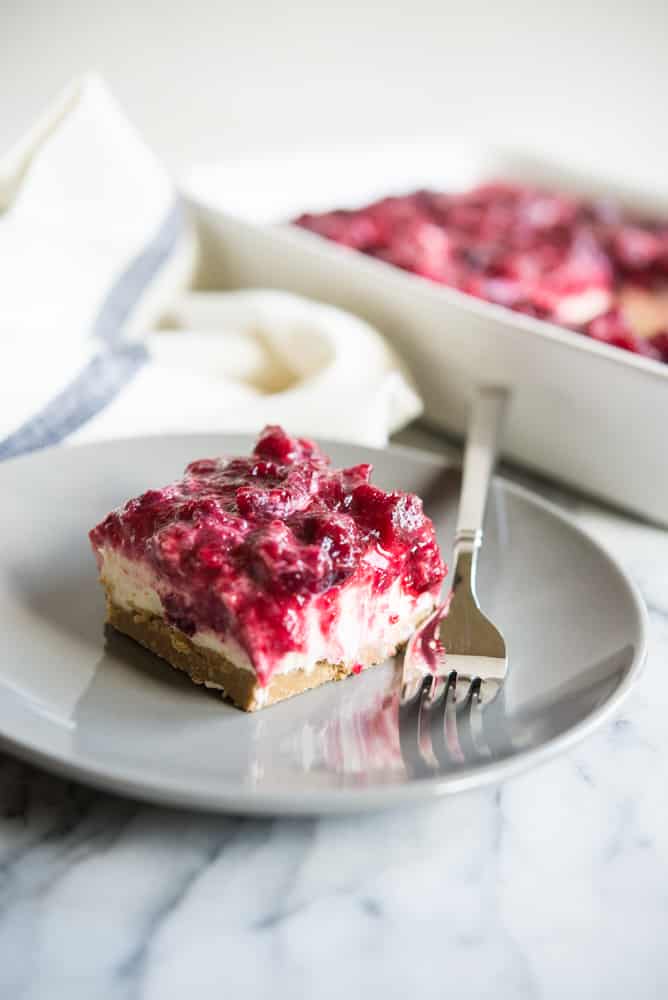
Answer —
(93, 388)
(114, 365)
(124, 295)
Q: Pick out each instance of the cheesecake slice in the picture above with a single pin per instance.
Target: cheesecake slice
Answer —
(267, 575)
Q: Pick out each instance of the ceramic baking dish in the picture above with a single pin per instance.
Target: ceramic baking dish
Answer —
(586, 414)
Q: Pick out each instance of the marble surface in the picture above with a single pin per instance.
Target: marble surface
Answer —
(554, 885)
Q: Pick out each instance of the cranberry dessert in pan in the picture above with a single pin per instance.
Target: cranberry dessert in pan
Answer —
(580, 263)
(268, 575)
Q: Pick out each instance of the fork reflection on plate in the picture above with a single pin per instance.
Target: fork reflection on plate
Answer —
(457, 660)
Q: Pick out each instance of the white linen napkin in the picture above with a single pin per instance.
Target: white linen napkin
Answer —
(95, 250)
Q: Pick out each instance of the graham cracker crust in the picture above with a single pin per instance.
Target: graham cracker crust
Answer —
(206, 666)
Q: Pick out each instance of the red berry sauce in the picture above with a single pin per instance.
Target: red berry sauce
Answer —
(521, 247)
(240, 546)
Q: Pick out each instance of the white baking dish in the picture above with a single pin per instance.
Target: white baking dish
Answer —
(589, 415)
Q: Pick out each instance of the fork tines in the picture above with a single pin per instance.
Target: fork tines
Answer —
(440, 723)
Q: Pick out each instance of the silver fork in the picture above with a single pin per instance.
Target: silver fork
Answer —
(457, 659)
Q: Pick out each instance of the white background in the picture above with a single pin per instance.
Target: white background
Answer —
(206, 80)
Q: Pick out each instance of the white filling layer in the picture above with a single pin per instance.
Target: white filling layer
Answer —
(367, 628)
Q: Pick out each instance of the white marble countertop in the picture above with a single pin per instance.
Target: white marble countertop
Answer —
(554, 885)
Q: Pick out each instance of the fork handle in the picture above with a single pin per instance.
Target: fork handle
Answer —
(482, 440)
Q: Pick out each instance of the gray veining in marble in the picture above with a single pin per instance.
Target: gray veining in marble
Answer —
(554, 885)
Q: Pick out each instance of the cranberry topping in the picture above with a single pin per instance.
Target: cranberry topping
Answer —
(530, 250)
(660, 343)
(241, 545)
(613, 328)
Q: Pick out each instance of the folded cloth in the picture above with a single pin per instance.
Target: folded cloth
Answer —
(96, 250)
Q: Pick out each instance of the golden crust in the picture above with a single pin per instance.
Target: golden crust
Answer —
(206, 666)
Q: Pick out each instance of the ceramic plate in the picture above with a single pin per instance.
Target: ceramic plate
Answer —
(101, 709)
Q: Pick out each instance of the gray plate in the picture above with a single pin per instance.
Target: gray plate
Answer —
(107, 712)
